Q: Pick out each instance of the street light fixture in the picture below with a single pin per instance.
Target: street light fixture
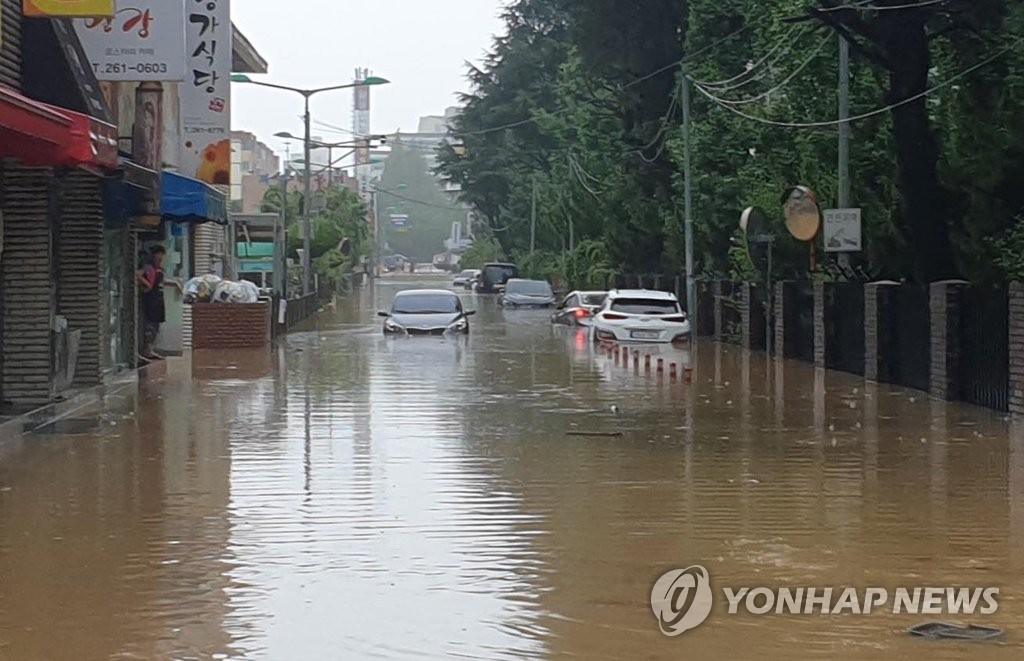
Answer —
(307, 94)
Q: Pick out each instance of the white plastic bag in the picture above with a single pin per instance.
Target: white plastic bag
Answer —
(202, 288)
(236, 292)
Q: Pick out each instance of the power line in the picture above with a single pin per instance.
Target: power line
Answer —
(764, 95)
(866, 5)
(803, 125)
(419, 202)
(731, 83)
(689, 57)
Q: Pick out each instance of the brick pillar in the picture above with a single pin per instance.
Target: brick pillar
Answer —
(877, 330)
(746, 300)
(819, 324)
(780, 319)
(945, 338)
(1017, 348)
(871, 332)
(716, 295)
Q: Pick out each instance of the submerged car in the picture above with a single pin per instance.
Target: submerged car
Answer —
(426, 312)
(465, 277)
(527, 294)
(493, 277)
(641, 315)
(579, 308)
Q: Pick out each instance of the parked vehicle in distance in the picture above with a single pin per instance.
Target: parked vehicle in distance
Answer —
(494, 276)
(641, 315)
(395, 263)
(426, 312)
(579, 308)
(464, 277)
(527, 294)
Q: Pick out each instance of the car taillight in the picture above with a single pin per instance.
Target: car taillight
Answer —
(611, 316)
(677, 320)
(581, 313)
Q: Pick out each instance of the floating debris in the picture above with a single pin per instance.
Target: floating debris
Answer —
(943, 630)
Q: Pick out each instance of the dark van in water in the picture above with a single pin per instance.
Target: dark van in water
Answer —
(494, 276)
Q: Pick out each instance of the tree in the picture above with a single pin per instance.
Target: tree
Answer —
(408, 187)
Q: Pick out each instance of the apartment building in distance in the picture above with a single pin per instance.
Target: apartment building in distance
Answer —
(254, 165)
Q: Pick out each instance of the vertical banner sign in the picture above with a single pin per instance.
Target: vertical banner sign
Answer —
(68, 8)
(206, 92)
(143, 41)
(361, 127)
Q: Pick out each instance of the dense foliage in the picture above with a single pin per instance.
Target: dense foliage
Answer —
(576, 113)
(343, 217)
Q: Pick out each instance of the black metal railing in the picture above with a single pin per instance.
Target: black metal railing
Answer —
(844, 327)
(985, 347)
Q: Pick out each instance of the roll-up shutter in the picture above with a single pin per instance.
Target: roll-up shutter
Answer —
(80, 255)
(27, 286)
(10, 48)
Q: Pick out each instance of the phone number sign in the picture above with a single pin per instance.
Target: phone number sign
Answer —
(143, 41)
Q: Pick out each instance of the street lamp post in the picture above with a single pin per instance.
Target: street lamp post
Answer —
(307, 94)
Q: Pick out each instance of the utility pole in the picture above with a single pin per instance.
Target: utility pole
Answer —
(844, 133)
(533, 219)
(691, 284)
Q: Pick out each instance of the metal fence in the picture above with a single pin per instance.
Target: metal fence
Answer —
(844, 327)
(985, 347)
(909, 346)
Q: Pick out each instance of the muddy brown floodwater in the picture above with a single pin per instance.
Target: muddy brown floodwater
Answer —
(354, 497)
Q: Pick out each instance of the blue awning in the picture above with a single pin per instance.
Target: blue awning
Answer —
(134, 192)
(184, 200)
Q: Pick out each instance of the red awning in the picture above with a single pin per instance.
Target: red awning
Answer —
(38, 134)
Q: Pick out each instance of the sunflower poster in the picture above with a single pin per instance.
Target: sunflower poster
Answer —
(206, 93)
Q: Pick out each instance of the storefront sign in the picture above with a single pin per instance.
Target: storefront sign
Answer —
(68, 8)
(143, 41)
(206, 92)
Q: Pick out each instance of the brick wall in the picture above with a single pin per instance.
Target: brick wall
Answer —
(230, 326)
(819, 324)
(944, 306)
(1017, 348)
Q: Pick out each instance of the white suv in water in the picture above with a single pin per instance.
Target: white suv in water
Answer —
(641, 315)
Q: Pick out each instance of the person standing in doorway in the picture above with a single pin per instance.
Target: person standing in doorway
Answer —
(151, 285)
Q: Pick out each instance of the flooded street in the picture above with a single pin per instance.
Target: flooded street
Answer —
(351, 496)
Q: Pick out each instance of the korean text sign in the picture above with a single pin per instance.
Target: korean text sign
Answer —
(143, 41)
(206, 92)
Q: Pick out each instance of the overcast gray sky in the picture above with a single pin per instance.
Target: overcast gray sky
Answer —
(420, 45)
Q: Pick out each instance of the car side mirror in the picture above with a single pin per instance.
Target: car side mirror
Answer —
(469, 313)
(383, 314)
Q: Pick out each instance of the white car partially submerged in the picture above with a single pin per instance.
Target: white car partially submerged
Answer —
(641, 315)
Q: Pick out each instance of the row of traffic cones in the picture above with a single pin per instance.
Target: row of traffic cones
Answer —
(626, 356)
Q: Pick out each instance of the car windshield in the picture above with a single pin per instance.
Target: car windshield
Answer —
(529, 288)
(499, 274)
(425, 304)
(594, 299)
(653, 306)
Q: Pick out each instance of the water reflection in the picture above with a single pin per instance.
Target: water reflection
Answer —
(351, 496)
